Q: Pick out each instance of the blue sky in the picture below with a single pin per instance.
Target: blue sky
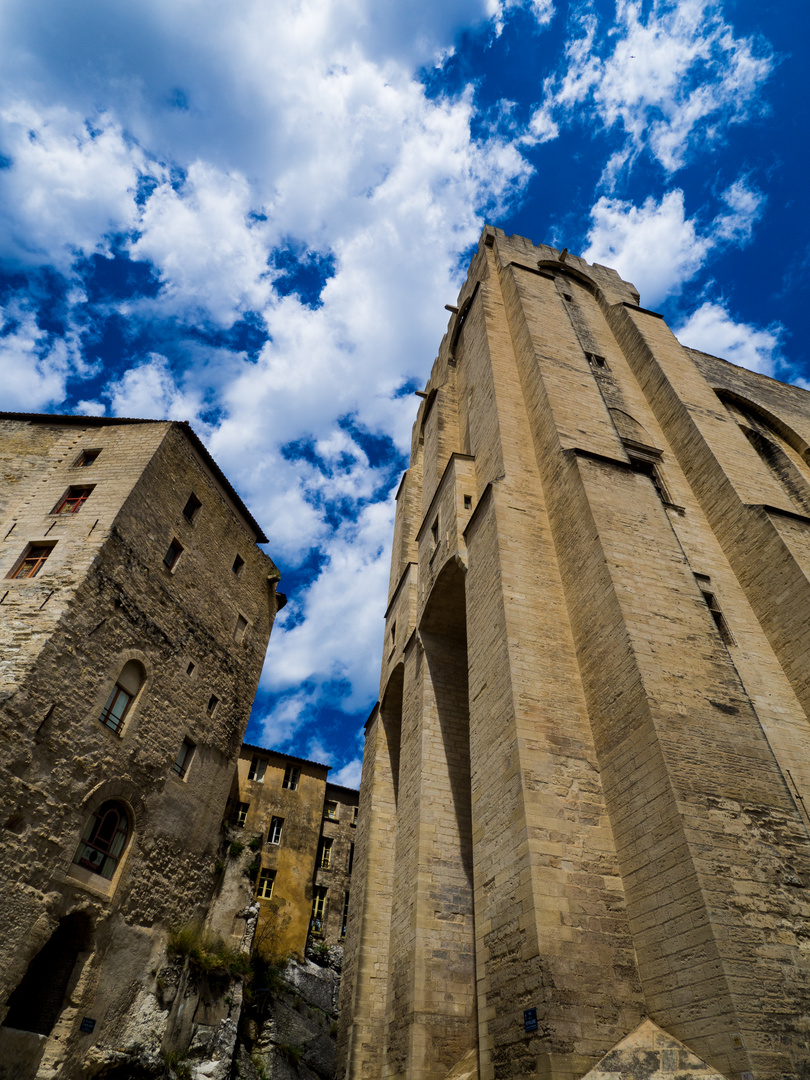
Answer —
(251, 216)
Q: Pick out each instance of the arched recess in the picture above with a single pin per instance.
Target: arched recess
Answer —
(391, 717)
(38, 999)
(774, 443)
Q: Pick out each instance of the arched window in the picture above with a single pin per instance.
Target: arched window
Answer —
(122, 695)
(103, 839)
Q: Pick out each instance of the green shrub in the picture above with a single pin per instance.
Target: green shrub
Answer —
(255, 843)
(236, 849)
(207, 953)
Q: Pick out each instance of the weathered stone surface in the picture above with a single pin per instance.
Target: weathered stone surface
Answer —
(585, 784)
(188, 640)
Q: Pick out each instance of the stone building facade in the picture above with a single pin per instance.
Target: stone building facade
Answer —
(583, 840)
(135, 610)
(303, 829)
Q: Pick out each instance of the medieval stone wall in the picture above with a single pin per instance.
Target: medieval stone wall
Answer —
(609, 589)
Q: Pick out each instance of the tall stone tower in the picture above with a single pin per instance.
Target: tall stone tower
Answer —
(583, 835)
(135, 610)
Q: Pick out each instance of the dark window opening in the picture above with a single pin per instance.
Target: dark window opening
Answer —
(258, 766)
(318, 910)
(434, 532)
(351, 858)
(345, 920)
(238, 563)
(33, 560)
(117, 707)
(173, 554)
(650, 469)
(103, 839)
(213, 702)
(191, 507)
(718, 616)
(85, 458)
(597, 361)
(73, 500)
(468, 502)
(183, 759)
(239, 629)
(291, 778)
(190, 668)
(276, 825)
(240, 814)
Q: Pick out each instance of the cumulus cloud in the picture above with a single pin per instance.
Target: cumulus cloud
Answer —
(34, 365)
(669, 79)
(713, 330)
(657, 246)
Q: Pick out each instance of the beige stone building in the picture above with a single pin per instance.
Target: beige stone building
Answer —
(583, 839)
(303, 830)
(135, 610)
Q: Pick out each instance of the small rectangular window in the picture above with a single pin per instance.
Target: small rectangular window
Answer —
(32, 561)
(213, 703)
(238, 563)
(355, 812)
(318, 910)
(173, 554)
(434, 532)
(291, 778)
(239, 629)
(73, 500)
(116, 709)
(468, 502)
(597, 361)
(190, 668)
(351, 858)
(85, 458)
(325, 860)
(393, 633)
(276, 825)
(331, 811)
(257, 769)
(183, 759)
(344, 922)
(264, 887)
(192, 507)
(240, 814)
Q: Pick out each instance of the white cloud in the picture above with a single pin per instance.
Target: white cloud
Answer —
(280, 727)
(349, 774)
(34, 366)
(657, 246)
(71, 181)
(654, 244)
(150, 391)
(672, 78)
(713, 330)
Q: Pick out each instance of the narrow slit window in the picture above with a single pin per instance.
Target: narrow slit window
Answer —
(434, 532)
(238, 563)
(257, 769)
(190, 668)
(183, 759)
(240, 814)
(393, 633)
(355, 812)
(718, 616)
(468, 502)
(32, 561)
(264, 887)
(344, 922)
(191, 509)
(291, 778)
(173, 554)
(213, 705)
(73, 500)
(351, 858)
(276, 825)
(239, 629)
(597, 361)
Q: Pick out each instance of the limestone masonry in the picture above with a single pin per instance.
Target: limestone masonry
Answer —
(135, 610)
(583, 836)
